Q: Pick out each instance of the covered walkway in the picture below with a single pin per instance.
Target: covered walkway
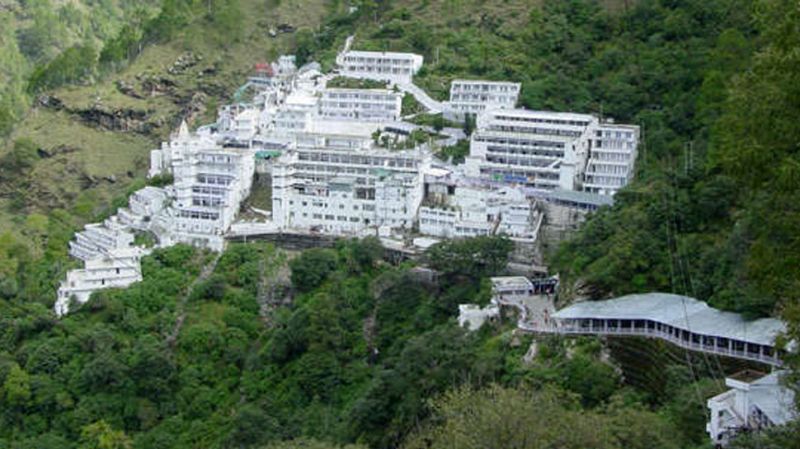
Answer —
(680, 320)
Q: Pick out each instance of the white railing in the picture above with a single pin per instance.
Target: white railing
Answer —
(569, 329)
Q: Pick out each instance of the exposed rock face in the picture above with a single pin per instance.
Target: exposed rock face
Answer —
(128, 89)
(195, 107)
(184, 62)
(49, 101)
(155, 86)
(125, 120)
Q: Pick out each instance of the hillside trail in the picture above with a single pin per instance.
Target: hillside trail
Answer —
(207, 270)
(273, 291)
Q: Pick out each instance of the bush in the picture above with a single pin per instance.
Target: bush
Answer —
(312, 268)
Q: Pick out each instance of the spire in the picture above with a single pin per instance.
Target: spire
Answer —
(183, 131)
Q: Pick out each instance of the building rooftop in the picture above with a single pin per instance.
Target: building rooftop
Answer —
(575, 196)
(773, 398)
(508, 282)
(678, 311)
(354, 90)
(545, 114)
(465, 81)
(364, 53)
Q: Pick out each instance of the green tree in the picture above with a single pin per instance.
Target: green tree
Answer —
(502, 418)
(17, 387)
(22, 157)
(305, 443)
(472, 258)
(311, 268)
(100, 435)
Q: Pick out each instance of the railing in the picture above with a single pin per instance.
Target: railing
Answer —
(559, 328)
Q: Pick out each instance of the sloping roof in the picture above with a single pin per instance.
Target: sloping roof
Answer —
(678, 311)
(773, 399)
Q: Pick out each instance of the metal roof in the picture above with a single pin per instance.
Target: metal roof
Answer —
(772, 398)
(678, 311)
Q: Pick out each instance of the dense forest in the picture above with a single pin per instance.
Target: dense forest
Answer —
(355, 359)
(366, 353)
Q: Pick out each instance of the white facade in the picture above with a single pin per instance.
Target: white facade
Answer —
(143, 206)
(753, 403)
(548, 150)
(360, 104)
(210, 182)
(480, 211)
(475, 96)
(342, 185)
(472, 316)
(97, 239)
(209, 186)
(118, 269)
(382, 66)
(611, 158)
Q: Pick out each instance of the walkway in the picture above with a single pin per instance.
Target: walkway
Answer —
(433, 106)
(680, 320)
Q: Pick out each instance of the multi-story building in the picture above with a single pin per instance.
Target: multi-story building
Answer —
(143, 206)
(98, 239)
(381, 105)
(547, 150)
(238, 123)
(541, 150)
(475, 96)
(611, 158)
(341, 184)
(471, 211)
(383, 66)
(210, 182)
(296, 114)
(754, 402)
(117, 269)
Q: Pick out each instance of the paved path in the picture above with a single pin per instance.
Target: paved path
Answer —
(433, 106)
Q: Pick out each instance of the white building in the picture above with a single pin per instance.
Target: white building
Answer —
(98, 239)
(511, 287)
(755, 402)
(210, 182)
(550, 150)
(143, 206)
(296, 114)
(342, 185)
(472, 316)
(382, 66)
(611, 158)
(238, 123)
(117, 269)
(472, 211)
(382, 105)
(475, 96)
(541, 150)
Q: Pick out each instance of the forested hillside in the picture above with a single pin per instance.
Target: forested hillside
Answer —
(336, 346)
(355, 359)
